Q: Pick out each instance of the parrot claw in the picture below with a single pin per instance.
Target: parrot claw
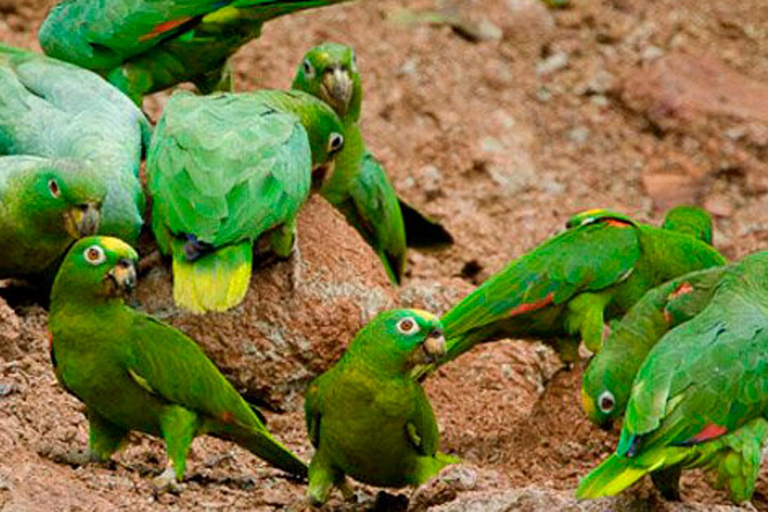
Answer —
(166, 482)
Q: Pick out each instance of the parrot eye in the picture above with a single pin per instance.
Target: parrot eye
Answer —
(53, 187)
(606, 402)
(408, 326)
(335, 142)
(94, 255)
(309, 69)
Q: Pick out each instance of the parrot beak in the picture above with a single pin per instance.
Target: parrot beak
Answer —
(321, 174)
(432, 349)
(337, 88)
(82, 220)
(123, 276)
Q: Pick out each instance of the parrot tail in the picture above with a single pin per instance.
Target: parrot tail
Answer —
(215, 281)
(259, 442)
(617, 473)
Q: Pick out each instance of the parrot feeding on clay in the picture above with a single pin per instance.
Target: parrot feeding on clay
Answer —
(53, 109)
(360, 187)
(133, 372)
(699, 398)
(367, 417)
(145, 46)
(227, 170)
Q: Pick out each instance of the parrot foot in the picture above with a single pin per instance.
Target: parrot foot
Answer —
(167, 482)
(347, 493)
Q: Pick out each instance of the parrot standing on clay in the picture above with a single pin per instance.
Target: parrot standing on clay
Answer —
(226, 169)
(133, 372)
(45, 205)
(565, 289)
(700, 397)
(145, 46)
(368, 418)
(608, 379)
(360, 187)
(53, 109)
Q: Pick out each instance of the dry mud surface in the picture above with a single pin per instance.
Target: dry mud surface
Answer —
(634, 105)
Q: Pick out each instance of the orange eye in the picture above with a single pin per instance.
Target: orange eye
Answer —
(94, 255)
(408, 326)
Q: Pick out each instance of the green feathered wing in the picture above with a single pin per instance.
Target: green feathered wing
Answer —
(699, 398)
(223, 170)
(148, 46)
(53, 109)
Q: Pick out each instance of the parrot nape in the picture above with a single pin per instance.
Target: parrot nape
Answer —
(145, 46)
(45, 205)
(360, 188)
(692, 220)
(367, 417)
(699, 398)
(608, 378)
(223, 170)
(134, 372)
(564, 290)
(53, 109)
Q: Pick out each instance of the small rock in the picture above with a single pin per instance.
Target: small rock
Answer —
(579, 135)
(652, 53)
(6, 389)
(553, 63)
(719, 206)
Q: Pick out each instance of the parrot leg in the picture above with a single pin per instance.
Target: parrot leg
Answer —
(166, 481)
(105, 437)
(667, 481)
(285, 243)
(568, 350)
(179, 427)
(322, 478)
(220, 79)
(585, 316)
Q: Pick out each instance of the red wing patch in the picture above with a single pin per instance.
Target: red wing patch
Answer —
(163, 27)
(533, 306)
(227, 417)
(709, 432)
(683, 289)
(618, 223)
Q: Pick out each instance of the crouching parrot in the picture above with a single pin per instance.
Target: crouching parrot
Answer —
(146, 46)
(360, 187)
(367, 417)
(53, 109)
(700, 397)
(228, 170)
(133, 372)
(565, 289)
(608, 378)
(45, 205)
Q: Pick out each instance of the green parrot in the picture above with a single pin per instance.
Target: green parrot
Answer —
(692, 220)
(52, 109)
(367, 417)
(226, 169)
(608, 379)
(360, 187)
(700, 397)
(145, 46)
(565, 289)
(45, 205)
(134, 372)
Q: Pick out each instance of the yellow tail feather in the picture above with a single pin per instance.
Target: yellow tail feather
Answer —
(215, 282)
(614, 475)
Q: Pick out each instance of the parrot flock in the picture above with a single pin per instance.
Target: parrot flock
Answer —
(678, 334)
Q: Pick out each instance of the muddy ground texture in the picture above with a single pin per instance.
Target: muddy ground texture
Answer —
(501, 124)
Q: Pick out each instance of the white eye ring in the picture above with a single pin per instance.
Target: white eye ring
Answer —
(606, 402)
(335, 142)
(353, 64)
(94, 255)
(309, 69)
(408, 325)
(53, 188)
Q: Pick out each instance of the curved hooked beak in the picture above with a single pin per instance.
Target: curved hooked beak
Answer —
(123, 276)
(322, 173)
(338, 86)
(432, 349)
(82, 220)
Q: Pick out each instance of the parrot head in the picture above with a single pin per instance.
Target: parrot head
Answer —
(693, 220)
(65, 199)
(596, 215)
(97, 268)
(398, 340)
(329, 72)
(607, 387)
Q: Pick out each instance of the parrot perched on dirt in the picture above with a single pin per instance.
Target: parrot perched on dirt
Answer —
(225, 169)
(367, 418)
(133, 372)
(608, 379)
(700, 397)
(53, 109)
(146, 46)
(45, 205)
(565, 289)
(360, 187)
